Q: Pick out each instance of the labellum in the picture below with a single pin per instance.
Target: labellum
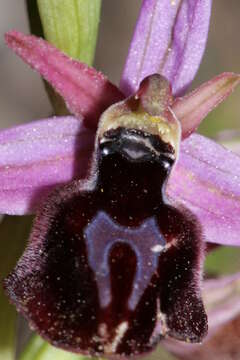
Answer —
(112, 266)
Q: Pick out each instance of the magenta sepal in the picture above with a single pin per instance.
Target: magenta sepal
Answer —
(207, 180)
(36, 157)
(169, 39)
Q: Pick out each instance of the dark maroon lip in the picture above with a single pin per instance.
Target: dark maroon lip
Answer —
(112, 268)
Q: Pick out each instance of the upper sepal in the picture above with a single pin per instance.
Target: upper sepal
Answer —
(169, 39)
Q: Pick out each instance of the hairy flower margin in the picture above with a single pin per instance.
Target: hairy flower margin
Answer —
(36, 157)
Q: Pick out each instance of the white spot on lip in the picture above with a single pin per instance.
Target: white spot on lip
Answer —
(111, 347)
(157, 248)
(161, 327)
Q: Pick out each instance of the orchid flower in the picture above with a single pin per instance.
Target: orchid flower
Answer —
(121, 297)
